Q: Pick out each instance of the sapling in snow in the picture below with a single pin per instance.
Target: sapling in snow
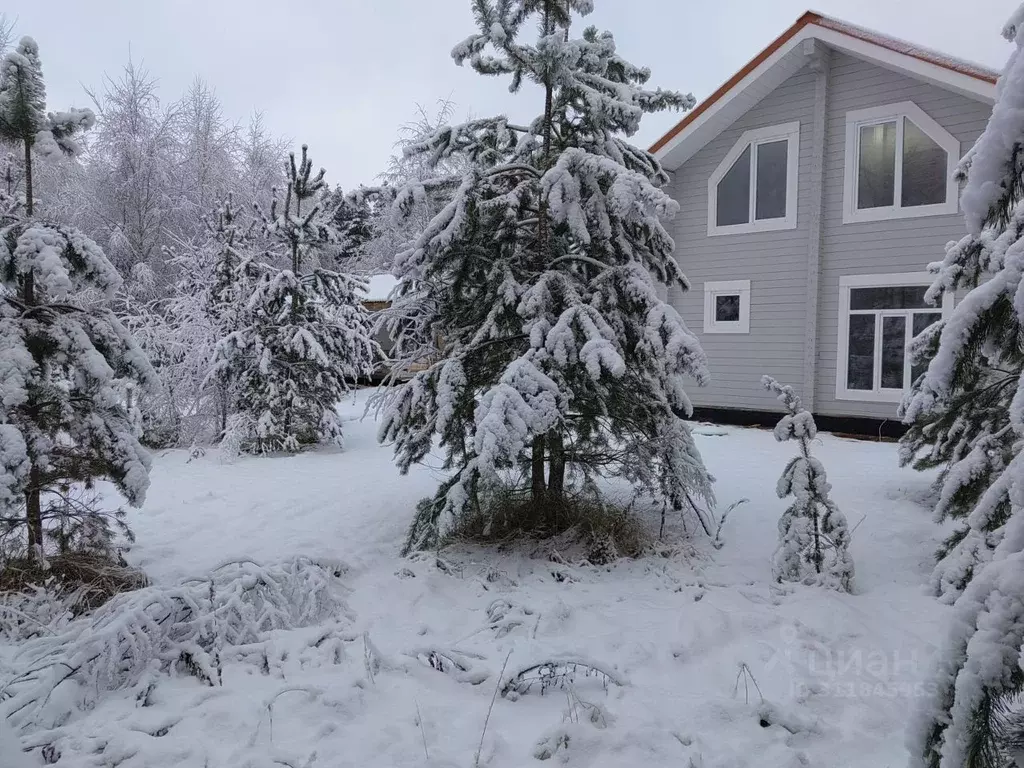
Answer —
(814, 538)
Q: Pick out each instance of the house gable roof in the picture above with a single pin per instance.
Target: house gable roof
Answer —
(788, 53)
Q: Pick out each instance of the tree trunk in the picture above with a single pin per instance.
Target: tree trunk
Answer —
(34, 514)
(543, 228)
(556, 461)
(818, 557)
(29, 204)
(537, 470)
(33, 504)
(28, 289)
(556, 477)
(295, 242)
(223, 411)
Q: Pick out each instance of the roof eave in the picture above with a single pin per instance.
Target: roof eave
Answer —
(686, 137)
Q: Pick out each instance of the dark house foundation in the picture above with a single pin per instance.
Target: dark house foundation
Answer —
(856, 426)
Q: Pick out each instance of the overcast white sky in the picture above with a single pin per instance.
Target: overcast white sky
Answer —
(341, 75)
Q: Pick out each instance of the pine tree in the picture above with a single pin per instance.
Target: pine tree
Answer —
(23, 117)
(814, 538)
(67, 360)
(973, 719)
(537, 280)
(304, 337)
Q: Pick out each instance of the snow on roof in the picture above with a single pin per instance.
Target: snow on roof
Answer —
(379, 287)
(963, 66)
(863, 34)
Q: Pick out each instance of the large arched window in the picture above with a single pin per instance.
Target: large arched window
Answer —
(899, 164)
(754, 188)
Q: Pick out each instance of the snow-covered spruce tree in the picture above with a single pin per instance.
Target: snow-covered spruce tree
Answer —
(814, 539)
(66, 358)
(964, 428)
(304, 337)
(973, 717)
(538, 283)
(968, 437)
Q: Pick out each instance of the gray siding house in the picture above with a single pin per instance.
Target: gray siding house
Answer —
(815, 186)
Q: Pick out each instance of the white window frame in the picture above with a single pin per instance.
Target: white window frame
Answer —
(768, 134)
(846, 282)
(713, 288)
(857, 119)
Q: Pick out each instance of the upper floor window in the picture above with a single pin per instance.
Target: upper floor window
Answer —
(754, 188)
(899, 163)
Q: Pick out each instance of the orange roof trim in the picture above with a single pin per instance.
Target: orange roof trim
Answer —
(860, 33)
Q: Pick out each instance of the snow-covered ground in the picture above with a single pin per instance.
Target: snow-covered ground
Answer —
(839, 674)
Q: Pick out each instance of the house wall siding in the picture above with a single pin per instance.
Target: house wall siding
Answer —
(878, 247)
(774, 262)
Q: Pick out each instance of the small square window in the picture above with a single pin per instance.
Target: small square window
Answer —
(727, 306)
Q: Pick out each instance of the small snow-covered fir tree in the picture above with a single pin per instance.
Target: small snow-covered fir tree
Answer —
(304, 337)
(814, 538)
(534, 288)
(973, 718)
(67, 361)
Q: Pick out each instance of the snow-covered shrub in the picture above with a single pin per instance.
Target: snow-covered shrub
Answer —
(505, 617)
(558, 673)
(528, 310)
(35, 611)
(814, 538)
(249, 599)
(73, 583)
(138, 636)
(459, 664)
(973, 716)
